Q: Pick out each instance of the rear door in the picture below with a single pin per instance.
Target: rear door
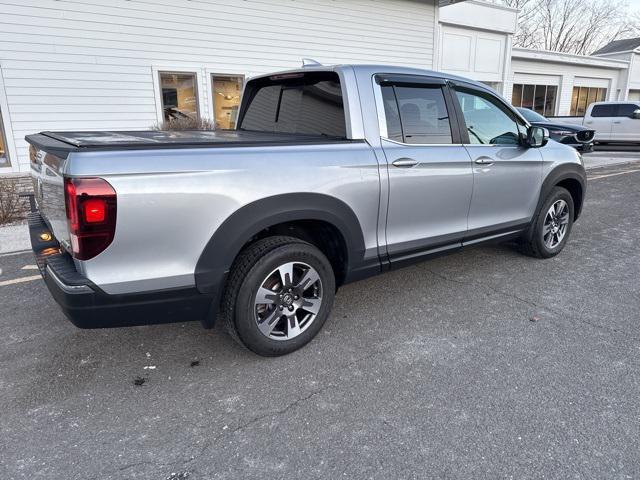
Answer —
(625, 128)
(430, 177)
(507, 175)
(600, 119)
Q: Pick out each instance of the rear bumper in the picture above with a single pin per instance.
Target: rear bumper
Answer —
(87, 306)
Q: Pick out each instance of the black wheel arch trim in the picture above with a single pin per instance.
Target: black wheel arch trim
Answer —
(218, 255)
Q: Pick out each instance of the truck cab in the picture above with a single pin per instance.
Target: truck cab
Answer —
(614, 121)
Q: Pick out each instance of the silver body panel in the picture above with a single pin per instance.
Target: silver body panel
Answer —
(171, 201)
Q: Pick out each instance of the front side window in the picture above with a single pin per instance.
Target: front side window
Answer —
(488, 122)
(179, 95)
(4, 156)
(226, 100)
(416, 115)
(626, 109)
(308, 104)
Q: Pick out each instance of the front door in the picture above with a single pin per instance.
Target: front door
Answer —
(430, 176)
(600, 119)
(507, 176)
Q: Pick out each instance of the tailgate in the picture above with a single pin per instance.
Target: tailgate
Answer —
(48, 188)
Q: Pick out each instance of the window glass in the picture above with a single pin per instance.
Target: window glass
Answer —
(527, 96)
(424, 115)
(4, 156)
(540, 95)
(626, 110)
(394, 130)
(585, 96)
(550, 101)
(603, 111)
(226, 100)
(488, 122)
(179, 95)
(539, 98)
(307, 104)
(582, 101)
(516, 97)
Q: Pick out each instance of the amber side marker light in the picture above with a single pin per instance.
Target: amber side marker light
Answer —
(45, 237)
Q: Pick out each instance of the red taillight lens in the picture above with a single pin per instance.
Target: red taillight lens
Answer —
(95, 210)
(91, 211)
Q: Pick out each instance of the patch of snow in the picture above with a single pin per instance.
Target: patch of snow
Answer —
(14, 237)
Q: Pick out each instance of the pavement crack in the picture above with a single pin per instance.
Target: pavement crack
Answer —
(559, 313)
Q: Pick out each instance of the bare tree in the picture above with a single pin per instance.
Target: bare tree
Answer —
(572, 26)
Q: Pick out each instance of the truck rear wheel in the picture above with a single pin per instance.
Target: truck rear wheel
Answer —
(279, 294)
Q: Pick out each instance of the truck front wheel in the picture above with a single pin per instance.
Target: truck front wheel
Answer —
(279, 294)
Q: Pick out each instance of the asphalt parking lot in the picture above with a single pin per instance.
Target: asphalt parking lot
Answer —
(484, 364)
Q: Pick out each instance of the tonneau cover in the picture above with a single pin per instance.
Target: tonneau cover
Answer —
(62, 143)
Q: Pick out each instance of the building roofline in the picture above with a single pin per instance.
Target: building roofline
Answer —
(559, 57)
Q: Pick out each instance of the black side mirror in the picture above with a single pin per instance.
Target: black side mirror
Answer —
(537, 137)
(636, 114)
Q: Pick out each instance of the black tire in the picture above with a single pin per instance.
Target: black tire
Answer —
(253, 265)
(533, 244)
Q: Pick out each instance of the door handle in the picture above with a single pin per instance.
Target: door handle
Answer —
(405, 163)
(617, 123)
(486, 161)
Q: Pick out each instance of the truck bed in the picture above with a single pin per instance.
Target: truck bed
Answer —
(63, 143)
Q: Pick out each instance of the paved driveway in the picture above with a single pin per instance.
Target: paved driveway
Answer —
(485, 364)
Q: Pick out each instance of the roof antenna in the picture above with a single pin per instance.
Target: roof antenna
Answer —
(310, 62)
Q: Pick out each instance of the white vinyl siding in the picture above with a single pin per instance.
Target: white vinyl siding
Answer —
(89, 64)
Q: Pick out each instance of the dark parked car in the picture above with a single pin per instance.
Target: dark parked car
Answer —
(570, 134)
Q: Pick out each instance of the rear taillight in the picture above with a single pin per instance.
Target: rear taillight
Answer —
(91, 213)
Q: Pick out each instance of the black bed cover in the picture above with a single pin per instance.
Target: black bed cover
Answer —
(62, 143)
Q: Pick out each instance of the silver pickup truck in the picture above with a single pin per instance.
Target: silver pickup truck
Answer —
(334, 174)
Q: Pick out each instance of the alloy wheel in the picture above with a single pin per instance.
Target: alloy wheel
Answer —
(288, 301)
(556, 223)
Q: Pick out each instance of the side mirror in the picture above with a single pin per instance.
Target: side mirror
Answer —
(636, 114)
(537, 137)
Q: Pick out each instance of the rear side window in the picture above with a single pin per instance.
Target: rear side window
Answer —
(416, 115)
(626, 109)
(603, 111)
(305, 103)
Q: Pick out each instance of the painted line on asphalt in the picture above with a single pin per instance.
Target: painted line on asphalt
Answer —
(11, 254)
(613, 174)
(20, 280)
(29, 267)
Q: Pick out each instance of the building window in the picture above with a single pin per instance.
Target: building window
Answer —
(179, 95)
(539, 98)
(583, 97)
(4, 155)
(226, 100)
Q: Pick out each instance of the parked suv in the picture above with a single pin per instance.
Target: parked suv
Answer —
(334, 174)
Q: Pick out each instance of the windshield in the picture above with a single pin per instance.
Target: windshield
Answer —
(532, 116)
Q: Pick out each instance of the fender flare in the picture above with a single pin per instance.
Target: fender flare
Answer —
(218, 255)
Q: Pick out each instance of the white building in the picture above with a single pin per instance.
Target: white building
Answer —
(128, 64)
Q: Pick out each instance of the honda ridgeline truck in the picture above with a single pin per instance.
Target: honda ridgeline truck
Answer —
(334, 174)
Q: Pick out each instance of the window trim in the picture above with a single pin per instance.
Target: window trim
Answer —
(508, 110)
(418, 81)
(210, 74)
(157, 87)
(5, 125)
